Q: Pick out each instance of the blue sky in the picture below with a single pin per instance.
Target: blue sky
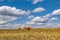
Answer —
(34, 13)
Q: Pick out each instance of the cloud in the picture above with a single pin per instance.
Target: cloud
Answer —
(56, 12)
(39, 9)
(43, 22)
(36, 1)
(2, 22)
(8, 14)
(12, 11)
(6, 19)
(54, 18)
(46, 21)
(10, 26)
(39, 19)
(30, 17)
(47, 15)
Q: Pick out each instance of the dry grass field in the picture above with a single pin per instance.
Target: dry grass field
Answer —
(32, 34)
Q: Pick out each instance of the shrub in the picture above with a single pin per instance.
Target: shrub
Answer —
(27, 28)
(19, 28)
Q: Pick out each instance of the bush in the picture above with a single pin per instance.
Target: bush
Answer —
(27, 28)
(19, 28)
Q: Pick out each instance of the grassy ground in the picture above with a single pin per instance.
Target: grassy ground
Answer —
(33, 34)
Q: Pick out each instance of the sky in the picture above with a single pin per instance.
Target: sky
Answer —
(33, 13)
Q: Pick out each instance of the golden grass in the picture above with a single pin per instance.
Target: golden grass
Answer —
(33, 34)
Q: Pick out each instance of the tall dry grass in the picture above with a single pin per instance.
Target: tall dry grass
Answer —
(33, 34)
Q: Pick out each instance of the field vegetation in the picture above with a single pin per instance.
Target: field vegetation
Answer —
(31, 34)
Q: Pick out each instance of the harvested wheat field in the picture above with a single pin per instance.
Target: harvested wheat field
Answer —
(32, 34)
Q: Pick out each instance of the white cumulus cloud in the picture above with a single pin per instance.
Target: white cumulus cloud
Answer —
(56, 12)
(39, 9)
(10, 26)
(12, 11)
(8, 13)
(36, 1)
(52, 19)
(39, 19)
(43, 22)
(6, 19)
(30, 17)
